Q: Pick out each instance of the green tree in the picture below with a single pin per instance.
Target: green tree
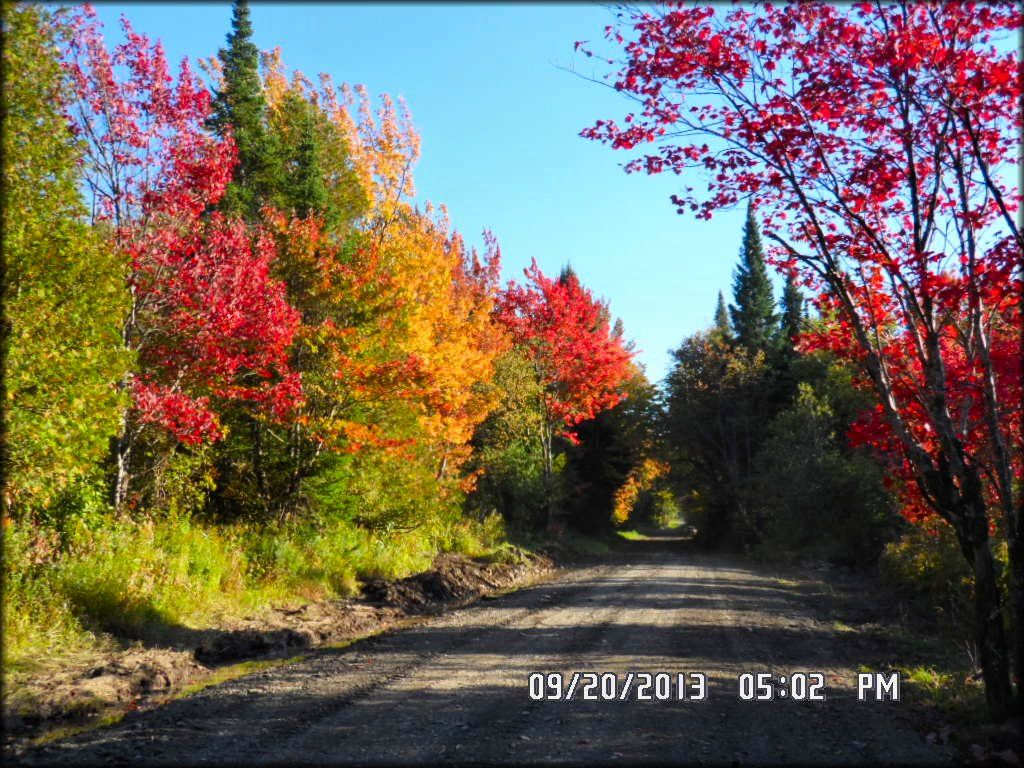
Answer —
(812, 491)
(317, 174)
(791, 320)
(722, 317)
(305, 188)
(753, 314)
(240, 108)
(506, 450)
(63, 289)
(717, 395)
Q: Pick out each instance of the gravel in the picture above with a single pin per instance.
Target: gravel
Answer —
(454, 688)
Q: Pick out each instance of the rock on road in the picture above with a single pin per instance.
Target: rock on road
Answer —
(454, 688)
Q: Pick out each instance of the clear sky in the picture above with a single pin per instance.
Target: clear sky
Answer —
(499, 122)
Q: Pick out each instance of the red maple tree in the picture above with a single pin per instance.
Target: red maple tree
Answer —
(872, 139)
(207, 321)
(580, 359)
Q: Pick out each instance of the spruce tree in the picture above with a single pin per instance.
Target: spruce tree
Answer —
(791, 320)
(239, 106)
(303, 186)
(722, 317)
(753, 317)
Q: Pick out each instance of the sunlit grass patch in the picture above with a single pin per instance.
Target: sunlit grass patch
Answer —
(111, 716)
(955, 692)
(632, 535)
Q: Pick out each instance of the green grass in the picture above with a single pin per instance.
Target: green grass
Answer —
(633, 535)
(588, 545)
(111, 580)
(112, 716)
(951, 692)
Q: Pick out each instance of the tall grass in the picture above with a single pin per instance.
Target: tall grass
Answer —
(78, 585)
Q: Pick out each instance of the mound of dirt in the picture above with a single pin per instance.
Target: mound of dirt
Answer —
(247, 643)
(139, 678)
(452, 578)
(76, 693)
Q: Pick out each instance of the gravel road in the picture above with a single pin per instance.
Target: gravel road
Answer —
(454, 688)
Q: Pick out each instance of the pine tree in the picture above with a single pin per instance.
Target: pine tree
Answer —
(240, 107)
(792, 317)
(722, 317)
(753, 317)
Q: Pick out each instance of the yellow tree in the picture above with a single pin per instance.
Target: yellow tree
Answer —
(397, 312)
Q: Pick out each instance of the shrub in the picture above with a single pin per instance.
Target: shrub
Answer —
(813, 496)
(927, 566)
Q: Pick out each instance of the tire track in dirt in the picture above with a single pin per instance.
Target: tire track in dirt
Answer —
(454, 688)
(489, 726)
(251, 715)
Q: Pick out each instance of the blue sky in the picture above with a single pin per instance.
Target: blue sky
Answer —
(499, 123)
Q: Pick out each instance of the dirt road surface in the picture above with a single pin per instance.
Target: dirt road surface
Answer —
(455, 687)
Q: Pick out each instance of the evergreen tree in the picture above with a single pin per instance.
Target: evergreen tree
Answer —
(791, 321)
(792, 317)
(753, 317)
(303, 181)
(722, 317)
(241, 108)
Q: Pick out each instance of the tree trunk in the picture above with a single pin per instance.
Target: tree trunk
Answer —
(1016, 547)
(126, 437)
(546, 440)
(124, 458)
(990, 635)
(255, 431)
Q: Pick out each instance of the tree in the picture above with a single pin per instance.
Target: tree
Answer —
(206, 319)
(318, 171)
(506, 451)
(239, 111)
(610, 450)
(717, 397)
(792, 318)
(311, 205)
(63, 288)
(578, 358)
(437, 307)
(722, 317)
(217, 325)
(814, 492)
(397, 340)
(874, 138)
(753, 318)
